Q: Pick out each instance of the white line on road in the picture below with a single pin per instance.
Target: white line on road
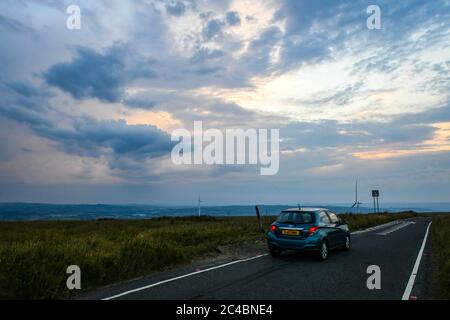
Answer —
(381, 226)
(412, 278)
(395, 228)
(181, 277)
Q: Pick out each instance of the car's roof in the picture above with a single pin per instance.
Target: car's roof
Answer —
(308, 209)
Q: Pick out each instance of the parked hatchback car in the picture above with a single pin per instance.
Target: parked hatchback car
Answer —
(308, 229)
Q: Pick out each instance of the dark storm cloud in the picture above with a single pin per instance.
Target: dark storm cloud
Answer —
(20, 114)
(90, 137)
(85, 136)
(24, 101)
(102, 75)
(90, 74)
(139, 102)
(93, 138)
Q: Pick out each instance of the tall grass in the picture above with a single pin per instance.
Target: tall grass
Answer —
(362, 221)
(34, 255)
(441, 255)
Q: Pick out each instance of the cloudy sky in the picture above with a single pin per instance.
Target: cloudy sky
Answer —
(86, 115)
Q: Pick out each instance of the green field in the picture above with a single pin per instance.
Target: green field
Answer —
(34, 255)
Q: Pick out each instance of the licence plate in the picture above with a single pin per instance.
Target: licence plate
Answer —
(290, 232)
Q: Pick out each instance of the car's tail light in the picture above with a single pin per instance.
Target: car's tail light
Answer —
(273, 228)
(312, 230)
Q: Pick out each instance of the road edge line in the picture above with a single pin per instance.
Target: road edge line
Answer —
(376, 227)
(399, 226)
(181, 277)
(412, 277)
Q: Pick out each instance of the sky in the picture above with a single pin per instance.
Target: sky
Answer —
(86, 115)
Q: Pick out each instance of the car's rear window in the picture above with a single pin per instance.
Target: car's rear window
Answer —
(305, 217)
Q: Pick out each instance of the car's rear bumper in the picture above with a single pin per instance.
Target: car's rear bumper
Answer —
(308, 244)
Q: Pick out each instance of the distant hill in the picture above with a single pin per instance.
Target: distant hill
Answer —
(39, 211)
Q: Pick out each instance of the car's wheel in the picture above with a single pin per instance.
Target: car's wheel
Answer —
(323, 251)
(274, 252)
(347, 243)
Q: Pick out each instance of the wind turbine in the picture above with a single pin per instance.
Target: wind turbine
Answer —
(199, 205)
(356, 203)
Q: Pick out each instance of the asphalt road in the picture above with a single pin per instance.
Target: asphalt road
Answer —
(394, 248)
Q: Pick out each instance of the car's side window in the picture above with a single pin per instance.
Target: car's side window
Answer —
(323, 218)
(333, 217)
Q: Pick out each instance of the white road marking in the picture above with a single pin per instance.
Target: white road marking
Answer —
(182, 276)
(381, 226)
(412, 278)
(395, 228)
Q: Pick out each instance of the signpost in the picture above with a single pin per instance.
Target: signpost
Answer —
(376, 195)
(258, 216)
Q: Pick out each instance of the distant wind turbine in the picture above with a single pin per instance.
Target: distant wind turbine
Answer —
(199, 206)
(356, 203)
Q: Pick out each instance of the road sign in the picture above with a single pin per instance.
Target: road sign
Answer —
(375, 195)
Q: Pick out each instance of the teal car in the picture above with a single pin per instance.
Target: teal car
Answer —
(317, 230)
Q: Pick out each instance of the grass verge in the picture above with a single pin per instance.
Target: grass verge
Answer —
(34, 255)
(440, 231)
(363, 221)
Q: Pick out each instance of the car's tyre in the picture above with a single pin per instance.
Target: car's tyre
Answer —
(347, 243)
(274, 252)
(323, 251)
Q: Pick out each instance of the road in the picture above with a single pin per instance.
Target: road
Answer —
(394, 248)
